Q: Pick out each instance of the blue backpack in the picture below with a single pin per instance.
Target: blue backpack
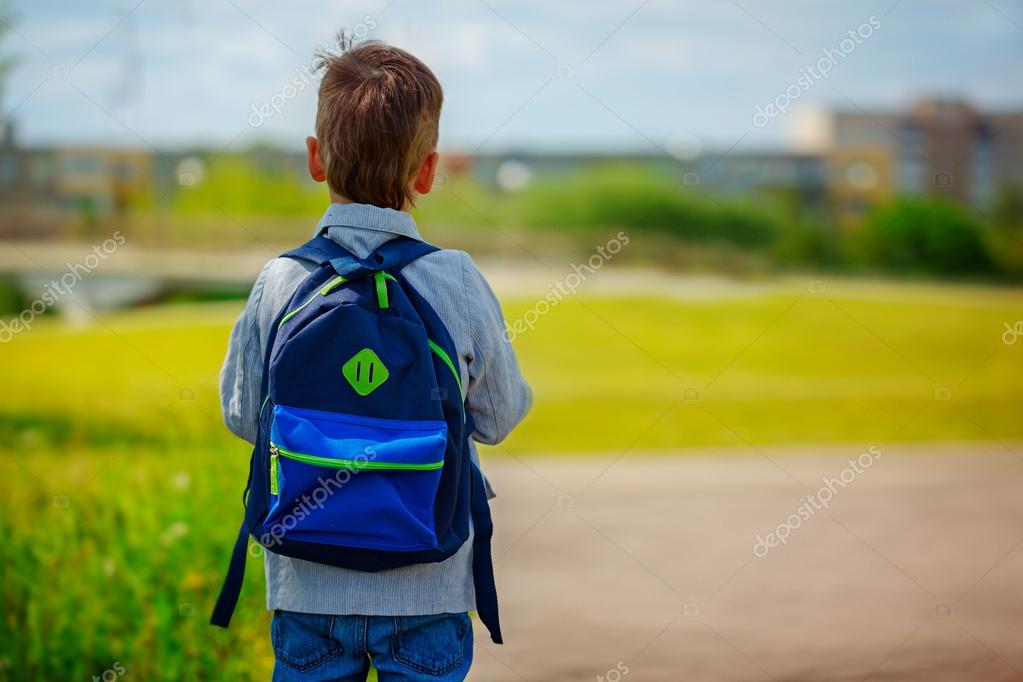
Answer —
(362, 458)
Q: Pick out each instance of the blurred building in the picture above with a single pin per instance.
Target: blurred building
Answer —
(100, 181)
(942, 148)
(843, 162)
(794, 178)
(41, 186)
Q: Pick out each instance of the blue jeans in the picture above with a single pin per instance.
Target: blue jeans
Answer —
(310, 647)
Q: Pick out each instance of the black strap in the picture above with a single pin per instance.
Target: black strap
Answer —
(232, 588)
(482, 559)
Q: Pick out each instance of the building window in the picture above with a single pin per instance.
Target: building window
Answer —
(124, 170)
(82, 165)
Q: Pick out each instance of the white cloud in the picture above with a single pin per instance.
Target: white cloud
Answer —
(673, 67)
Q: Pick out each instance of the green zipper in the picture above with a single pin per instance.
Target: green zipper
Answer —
(275, 484)
(333, 463)
(329, 286)
(442, 354)
(324, 290)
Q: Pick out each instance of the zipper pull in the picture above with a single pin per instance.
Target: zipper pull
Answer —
(275, 486)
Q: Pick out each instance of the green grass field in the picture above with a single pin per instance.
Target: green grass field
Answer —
(121, 491)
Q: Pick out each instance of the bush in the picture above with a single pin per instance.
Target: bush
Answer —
(12, 298)
(638, 199)
(808, 243)
(922, 236)
(1005, 244)
(233, 185)
(1005, 238)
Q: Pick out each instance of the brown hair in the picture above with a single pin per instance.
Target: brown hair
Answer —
(376, 121)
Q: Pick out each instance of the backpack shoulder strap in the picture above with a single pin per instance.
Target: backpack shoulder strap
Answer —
(401, 251)
(392, 256)
(318, 250)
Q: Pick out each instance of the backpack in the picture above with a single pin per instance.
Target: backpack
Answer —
(362, 458)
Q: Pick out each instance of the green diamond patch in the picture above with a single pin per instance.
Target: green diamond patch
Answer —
(365, 371)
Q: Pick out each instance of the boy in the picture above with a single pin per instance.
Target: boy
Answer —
(375, 147)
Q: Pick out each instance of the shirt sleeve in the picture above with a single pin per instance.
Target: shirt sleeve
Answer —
(497, 396)
(242, 373)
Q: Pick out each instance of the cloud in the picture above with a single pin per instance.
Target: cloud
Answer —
(666, 66)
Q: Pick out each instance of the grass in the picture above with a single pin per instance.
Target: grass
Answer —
(121, 488)
(785, 366)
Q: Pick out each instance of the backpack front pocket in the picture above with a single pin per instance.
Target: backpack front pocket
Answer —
(353, 481)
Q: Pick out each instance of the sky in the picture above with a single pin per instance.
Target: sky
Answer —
(569, 75)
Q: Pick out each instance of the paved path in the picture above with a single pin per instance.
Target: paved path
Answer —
(913, 572)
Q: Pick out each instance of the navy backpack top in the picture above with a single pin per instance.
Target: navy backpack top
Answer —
(362, 458)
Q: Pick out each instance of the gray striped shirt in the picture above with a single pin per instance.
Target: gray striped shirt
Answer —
(496, 396)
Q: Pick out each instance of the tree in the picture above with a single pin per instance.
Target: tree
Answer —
(925, 236)
(1005, 239)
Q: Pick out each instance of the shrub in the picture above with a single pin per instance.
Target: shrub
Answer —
(640, 199)
(12, 298)
(923, 236)
(235, 186)
(808, 243)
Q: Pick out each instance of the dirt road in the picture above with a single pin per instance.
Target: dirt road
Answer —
(647, 568)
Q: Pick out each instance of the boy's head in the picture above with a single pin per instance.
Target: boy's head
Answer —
(376, 126)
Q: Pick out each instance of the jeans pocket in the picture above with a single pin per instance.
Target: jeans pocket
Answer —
(433, 645)
(303, 640)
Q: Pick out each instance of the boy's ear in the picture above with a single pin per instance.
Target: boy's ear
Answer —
(422, 183)
(316, 169)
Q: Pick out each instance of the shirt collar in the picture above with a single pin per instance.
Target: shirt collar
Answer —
(369, 217)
